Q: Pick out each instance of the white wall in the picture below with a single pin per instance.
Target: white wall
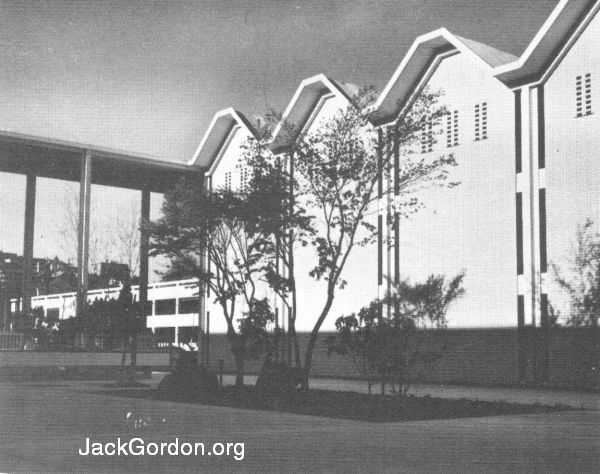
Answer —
(360, 270)
(572, 155)
(472, 226)
(230, 160)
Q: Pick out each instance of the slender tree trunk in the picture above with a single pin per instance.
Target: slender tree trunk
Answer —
(294, 337)
(312, 342)
(238, 355)
(133, 354)
(123, 357)
(239, 371)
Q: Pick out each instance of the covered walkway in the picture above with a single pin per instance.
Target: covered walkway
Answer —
(35, 157)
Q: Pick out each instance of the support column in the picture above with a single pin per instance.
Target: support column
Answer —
(396, 152)
(83, 231)
(389, 218)
(143, 285)
(380, 220)
(542, 238)
(202, 289)
(144, 249)
(28, 242)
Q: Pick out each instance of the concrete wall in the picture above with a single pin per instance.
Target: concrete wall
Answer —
(470, 227)
(88, 365)
(471, 356)
(572, 174)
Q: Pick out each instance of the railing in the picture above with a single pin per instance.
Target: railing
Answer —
(11, 341)
(14, 341)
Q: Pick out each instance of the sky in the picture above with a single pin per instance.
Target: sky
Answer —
(147, 76)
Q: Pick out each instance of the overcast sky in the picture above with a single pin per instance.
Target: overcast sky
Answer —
(147, 76)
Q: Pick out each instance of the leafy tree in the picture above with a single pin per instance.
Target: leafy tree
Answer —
(236, 250)
(258, 336)
(130, 322)
(388, 349)
(280, 220)
(581, 282)
(581, 279)
(34, 326)
(336, 170)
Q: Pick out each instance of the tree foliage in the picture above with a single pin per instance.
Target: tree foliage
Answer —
(237, 247)
(339, 166)
(388, 349)
(581, 278)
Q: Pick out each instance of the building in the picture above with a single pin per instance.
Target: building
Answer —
(173, 306)
(524, 133)
(49, 276)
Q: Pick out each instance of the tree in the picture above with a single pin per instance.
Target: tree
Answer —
(131, 321)
(581, 282)
(124, 238)
(236, 251)
(280, 220)
(118, 240)
(389, 348)
(337, 168)
(69, 229)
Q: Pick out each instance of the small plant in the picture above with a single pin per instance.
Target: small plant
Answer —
(387, 349)
(580, 280)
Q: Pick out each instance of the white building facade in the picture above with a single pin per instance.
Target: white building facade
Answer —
(524, 132)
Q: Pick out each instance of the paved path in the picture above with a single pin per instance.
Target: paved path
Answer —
(42, 426)
(516, 395)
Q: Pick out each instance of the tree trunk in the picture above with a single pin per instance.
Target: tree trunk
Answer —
(238, 354)
(239, 371)
(123, 357)
(294, 336)
(312, 342)
(133, 349)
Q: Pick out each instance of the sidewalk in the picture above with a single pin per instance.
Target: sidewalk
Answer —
(589, 401)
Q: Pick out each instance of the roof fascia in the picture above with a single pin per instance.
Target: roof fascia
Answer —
(222, 149)
(323, 79)
(438, 54)
(219, 115)
(570, 38)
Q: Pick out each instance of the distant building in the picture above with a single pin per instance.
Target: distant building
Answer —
(173, 312)
(108, 274)
(49, 276)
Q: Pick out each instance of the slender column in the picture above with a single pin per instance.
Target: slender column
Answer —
(143, 286)
(28, 242)
(519, 188)
(379, 219)
(396, 151)
(144, 241)
(291, 322)
(202, 289)
(542, 238)
(389, 218)
(83, 231)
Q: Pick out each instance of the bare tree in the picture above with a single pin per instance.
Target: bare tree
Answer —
(69, 228)
(117, 240)
(124, 238)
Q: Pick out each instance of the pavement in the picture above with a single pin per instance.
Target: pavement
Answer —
(44, 424)
(586, 400)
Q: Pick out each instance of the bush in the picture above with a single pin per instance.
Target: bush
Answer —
(188, 381)
(385, 348)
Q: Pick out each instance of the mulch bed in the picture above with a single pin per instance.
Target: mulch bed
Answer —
(353, 405)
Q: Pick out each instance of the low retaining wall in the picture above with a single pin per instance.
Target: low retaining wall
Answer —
(470, 356)
(76, 365)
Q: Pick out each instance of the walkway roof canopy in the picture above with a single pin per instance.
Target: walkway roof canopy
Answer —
(50, 158)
